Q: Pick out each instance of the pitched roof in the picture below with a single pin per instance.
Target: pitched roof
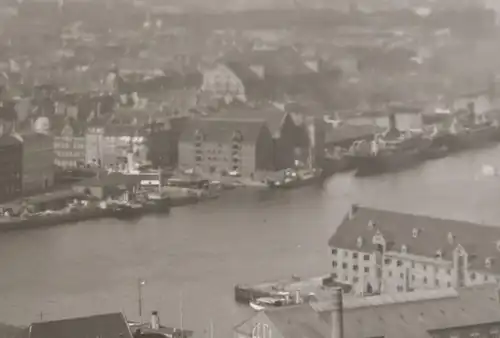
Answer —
(418, 317)
(111, 325)
(346, 132)
(298, 321)
(272, 116)
(480, 241)
(9, 140)
(221, 130)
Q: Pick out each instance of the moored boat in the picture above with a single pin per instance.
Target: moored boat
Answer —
(388, 156)
(295, 179)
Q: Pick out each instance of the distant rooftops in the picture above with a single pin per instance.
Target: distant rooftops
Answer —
(112, 325)
(415, 314)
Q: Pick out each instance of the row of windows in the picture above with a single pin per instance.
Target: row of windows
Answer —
(354, 254)
(354, 267)
(425, 280)
(10, 189)
(70, 154)
(75, 145)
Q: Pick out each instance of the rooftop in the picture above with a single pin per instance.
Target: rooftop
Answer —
(113, 325)
(409, 316)
(222, 129)
(422, 235)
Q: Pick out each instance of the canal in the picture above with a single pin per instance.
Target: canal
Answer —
(192, 258)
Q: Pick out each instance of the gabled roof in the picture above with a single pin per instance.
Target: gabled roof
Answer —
(298, 321)
(273, 117)
(113, 325)
(221, 130)
(480, 241)
(461, 308)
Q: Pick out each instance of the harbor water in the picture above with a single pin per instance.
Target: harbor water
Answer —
(192, 258)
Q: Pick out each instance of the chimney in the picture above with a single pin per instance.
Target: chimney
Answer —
(337, 314)
(155, 320)
(297, 297)
(392, 122)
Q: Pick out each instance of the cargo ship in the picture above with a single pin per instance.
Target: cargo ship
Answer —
(472, 135)
(392, 151)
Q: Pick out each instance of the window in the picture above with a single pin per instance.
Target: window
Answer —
(355, 267)
(354, 255)
(344, 265)
(390, 273)
(334, 264)
(387, 261)
(425, 280)
(198, 158)
(355, 279)
(346, 253)
(367, 269)
(399, 263)
(334, 251)
(366, 257)
(402, 275)
(472, 276)
(448, 284)
(437, 282)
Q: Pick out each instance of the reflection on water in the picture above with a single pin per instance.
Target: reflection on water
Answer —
(245, 236)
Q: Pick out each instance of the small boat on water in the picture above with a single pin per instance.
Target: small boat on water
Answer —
(290, 179)
(264, 302)
(128, 211)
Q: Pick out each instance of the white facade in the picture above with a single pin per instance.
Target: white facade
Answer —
(222, 82)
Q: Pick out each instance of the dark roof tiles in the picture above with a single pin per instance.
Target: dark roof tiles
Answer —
(479, 241)
(221, 130)
(467, 307)
(111, 325)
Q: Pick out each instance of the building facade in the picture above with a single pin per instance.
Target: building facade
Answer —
(11, 151)
(69, 147)
(94, 143)
(38, 162)
(219, 146)
(380, 251)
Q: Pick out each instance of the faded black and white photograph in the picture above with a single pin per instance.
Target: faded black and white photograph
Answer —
(249, 168)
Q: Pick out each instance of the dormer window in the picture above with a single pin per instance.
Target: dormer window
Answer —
(415, 232)
(237, 137)
(404, 249)
(439, 254)
(359, 242)
(371, 224)
(199, 136)
(488, 262)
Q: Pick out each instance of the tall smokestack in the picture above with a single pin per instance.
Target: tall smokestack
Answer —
(337, 314)
(155, 320)
(392, 122)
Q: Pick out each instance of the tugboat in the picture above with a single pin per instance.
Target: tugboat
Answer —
(391, 151)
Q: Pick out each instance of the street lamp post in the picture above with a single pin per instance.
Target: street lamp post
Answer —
(140, 284)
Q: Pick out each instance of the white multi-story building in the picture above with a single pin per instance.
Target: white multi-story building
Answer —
(384, 251)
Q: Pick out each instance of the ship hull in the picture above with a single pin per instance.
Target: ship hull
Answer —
(469, 140)
(380, 164)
